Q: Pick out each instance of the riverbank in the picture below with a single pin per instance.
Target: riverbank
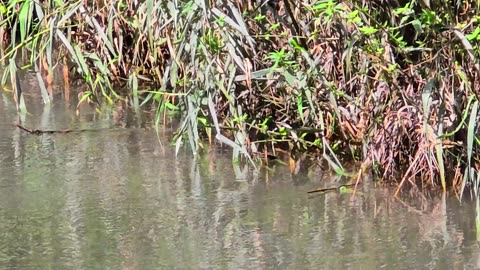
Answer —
(390, 86)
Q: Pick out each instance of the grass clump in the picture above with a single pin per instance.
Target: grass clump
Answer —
(391, 84)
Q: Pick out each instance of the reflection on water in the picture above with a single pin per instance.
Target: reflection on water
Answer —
(118, 198)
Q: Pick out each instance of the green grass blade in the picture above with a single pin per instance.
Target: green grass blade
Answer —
(41, 84)
(17, 87)
(25, 17)
(464, 118)
(468, 48)
(69, 13)
(99, 30)
(441, 165)
(470, 138)
(133, 84)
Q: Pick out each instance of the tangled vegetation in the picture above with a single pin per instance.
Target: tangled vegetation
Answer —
(391, 84)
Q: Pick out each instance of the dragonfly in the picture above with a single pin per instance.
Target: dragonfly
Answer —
(343, 189)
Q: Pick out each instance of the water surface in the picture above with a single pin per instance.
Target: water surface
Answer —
(119, 198)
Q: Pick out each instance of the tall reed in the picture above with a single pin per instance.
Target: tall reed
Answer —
(391, 84)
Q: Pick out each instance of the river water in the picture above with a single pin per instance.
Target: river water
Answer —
(119, 198)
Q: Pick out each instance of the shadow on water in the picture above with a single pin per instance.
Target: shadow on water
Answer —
(119, 198)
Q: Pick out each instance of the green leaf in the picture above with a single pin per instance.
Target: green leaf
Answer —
(368, 30)
(474, 34)
(24, 18)
(3, 9)
(418, 26)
